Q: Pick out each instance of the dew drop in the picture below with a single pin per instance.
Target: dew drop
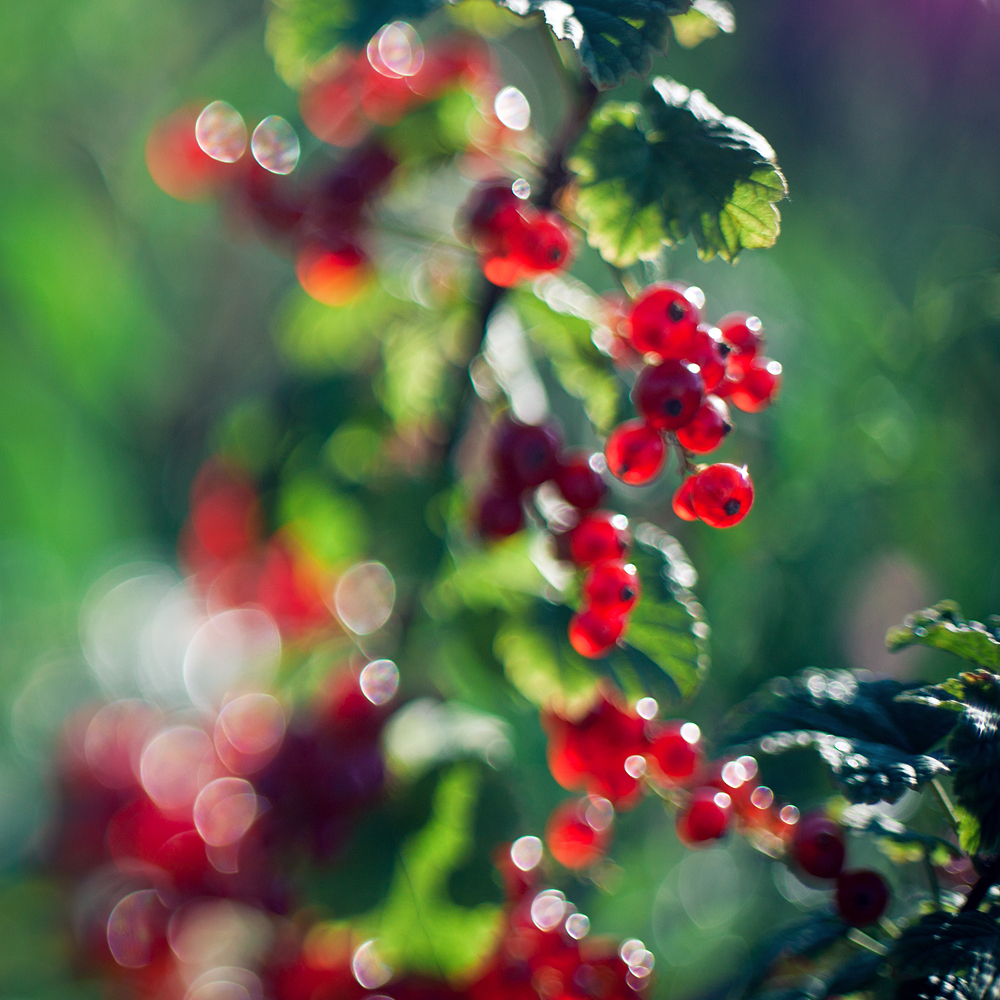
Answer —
(526, 853)
(521, 189)
(646, 708)
(379, 681)
(221, 132)
(364, 597)
(512, 108)
(396, 50)
(548, 909)
(577, 925)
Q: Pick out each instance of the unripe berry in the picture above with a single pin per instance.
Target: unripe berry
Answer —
(709, 353)
(677, 751)
(682, 501)
(601, 534)
(593, 634)
(759, 386)
(663, 321)
(612, 588)
(707, 817)
(500, 514)
(722, 494)
(525, 455)
(635, 452)
(818, 846)
(668, 395)
(708, 428)
(580, 484)
(571, 839)
(862, 897)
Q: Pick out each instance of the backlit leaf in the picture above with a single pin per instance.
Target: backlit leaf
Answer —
(943, 627)
(672, 165)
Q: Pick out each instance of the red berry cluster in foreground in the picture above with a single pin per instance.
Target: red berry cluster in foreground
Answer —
(516, 241)
(687, 371)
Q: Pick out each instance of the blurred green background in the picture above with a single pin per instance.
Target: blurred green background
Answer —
(130, 325)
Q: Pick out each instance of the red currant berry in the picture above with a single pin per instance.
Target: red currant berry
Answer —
(503, 271)
(668, 395)
(571, 839)
(759, 386)
(601, 534)
(862, 897)
(593, 634)
(178, 165)
(708, 428)
(744, 333)
(682, 501)
(708, 352)
(500, 514)
(663, 321)
(722, 494)
(677, 751)
(525, 455)
(542, 244)
(635, 452)
(487, 212)
(818, 846)
(612, 588)
(333, 274)
(707, 817)
(580, 484)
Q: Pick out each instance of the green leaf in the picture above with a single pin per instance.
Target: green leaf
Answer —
(974, 750)
(897, 842)
(949, 955)
(326, 523)
(943, 627)
(704, 20)
(300, 32)
(615, 38)
(558, 317)
(875, 744)
(418, 927)
(654, 172)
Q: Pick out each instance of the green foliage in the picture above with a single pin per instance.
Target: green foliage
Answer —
(615, 38)
(672, 165)
(703, 21)
(943, 627)
(554, 317)
(897, 842)
(664, 651)
(874, 742)
(418, 927)
(974, 749)
(953, 955)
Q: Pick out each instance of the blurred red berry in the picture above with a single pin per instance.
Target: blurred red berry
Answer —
(601, 534)
(580, 484)
(818, 846)
(681, 502)
(744, 334)
(500, 514)
(676, 749)
(708, 352)
(571, 839)
(668, 395)
(612, 588)
(759, 386)
(593, 634)
(635, 452)
(708, 428)
(722, 495)
(862, 897)
(663, 321)
(525, 455)
(706, 817)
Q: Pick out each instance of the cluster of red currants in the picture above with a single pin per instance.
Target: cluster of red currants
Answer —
(224, 548)
(161, 814)
(515, 240)
(687, 370)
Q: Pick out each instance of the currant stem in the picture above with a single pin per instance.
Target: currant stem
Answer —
(946, 804)
(863, 940)
(932, 880)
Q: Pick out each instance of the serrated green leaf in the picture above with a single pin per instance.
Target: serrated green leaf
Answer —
(875, 744)
(705, 20)
(973, 699)
(615, 38)
(943, 627)
(673, 165)
(552, 317)
(418, 927)
(948, 955)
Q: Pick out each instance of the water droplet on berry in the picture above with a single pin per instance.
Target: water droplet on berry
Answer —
(224, 811)
(640, 962)
(396, 51)
(526, 852)
(773, 367)
(521, 188)
(749, 765)
(646, 708)
(275, 146)
(762, 797)
(629, 948)
(221, 132)
(512, 108)
(691, 732)
(369, 968)
(600, 813)
(695, 296)
(364, 597)
(577, 925)
(789, 815)
(620, 521)
(379, 681)
(133, 927)
(548, 909)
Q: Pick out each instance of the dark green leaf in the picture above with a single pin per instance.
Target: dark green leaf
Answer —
(949, 955)
(555, 317)
(670, 166)
(615, 38)
(704, 20)
(898, 842)
(974, 749)
(874, 744)
(943, 627)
